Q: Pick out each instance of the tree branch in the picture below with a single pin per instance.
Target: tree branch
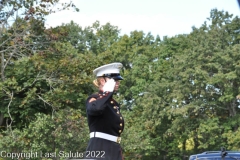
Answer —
(9, 125)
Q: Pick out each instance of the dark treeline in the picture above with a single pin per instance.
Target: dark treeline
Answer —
(180, 95)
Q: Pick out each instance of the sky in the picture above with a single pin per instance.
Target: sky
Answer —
(159, 17)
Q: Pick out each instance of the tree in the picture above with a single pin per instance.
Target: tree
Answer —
(190, 99)
(59, 134)
(21, 34)
(206, 81)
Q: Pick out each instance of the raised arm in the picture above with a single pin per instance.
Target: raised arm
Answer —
(96, 104)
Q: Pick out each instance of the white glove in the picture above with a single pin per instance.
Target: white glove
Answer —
(109, 85)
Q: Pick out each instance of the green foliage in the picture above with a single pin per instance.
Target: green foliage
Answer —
(190, 95)
(63, 131)
(43, 86)
(179, 96)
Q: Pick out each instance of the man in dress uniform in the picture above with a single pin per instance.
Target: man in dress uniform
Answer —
(104, 118)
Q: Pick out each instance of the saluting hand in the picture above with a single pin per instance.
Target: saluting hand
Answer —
(109, 85)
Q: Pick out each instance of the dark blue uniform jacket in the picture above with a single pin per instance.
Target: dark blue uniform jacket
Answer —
(104, 116)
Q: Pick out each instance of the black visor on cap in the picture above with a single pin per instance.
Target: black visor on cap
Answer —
(115, 76)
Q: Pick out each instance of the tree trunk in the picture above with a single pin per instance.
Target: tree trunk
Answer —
(195, 140)
(2, 67)
(232, 108)
(2, 78)
(1, 118)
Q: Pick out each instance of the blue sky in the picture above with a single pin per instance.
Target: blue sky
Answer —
(160, 17)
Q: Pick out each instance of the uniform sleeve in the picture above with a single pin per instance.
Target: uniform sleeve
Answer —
(97, 106)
